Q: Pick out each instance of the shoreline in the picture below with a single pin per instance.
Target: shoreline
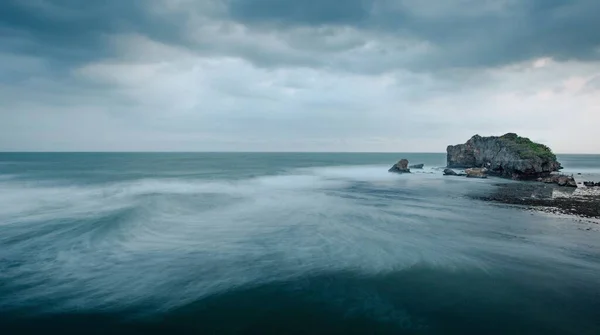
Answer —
(581, 202)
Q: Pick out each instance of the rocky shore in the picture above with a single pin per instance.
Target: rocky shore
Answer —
(581, 202)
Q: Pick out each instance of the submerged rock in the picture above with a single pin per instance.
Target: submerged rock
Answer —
(591, 184)
(400, 167)
(417, 166)
(543, 197)
(476, 173)
(509, 156)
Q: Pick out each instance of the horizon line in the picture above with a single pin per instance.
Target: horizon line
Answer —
(241, 152)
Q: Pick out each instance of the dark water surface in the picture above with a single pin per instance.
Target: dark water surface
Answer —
(250, 243)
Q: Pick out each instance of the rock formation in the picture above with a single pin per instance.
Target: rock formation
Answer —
(417, 166)
(509, 156)
(400, 167)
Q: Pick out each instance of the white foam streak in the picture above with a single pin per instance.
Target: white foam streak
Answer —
(27, 201)
(118, 243)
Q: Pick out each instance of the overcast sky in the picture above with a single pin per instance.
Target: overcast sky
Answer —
(297, 75)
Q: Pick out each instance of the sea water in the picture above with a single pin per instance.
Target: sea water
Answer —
(292, 243)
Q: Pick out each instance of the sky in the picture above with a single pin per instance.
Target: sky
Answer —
(289, 75)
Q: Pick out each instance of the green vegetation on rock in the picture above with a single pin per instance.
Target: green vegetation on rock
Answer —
(526, 148)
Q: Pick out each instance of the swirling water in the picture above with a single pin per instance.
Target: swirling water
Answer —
(255, 243)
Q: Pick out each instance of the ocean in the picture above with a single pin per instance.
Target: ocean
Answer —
(283, 243)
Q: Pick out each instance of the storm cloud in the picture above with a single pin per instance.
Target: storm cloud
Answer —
(333, 75)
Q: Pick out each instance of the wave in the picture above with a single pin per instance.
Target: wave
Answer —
(42, 199)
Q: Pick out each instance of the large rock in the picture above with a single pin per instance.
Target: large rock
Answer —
(476, 173)
(508, 156)
(400, 167)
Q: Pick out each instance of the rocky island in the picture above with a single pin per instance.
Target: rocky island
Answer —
(508, 155)
(514, 157)
(519, 158)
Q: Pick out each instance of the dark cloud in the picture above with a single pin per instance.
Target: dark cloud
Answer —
(240, 74)
(462, 33)
(564, 30)
(457, 34)
(69, 32)
(312, 12)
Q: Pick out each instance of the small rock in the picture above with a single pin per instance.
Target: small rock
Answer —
(400, 167)
(450, 172)
(476, 173)
(562, 181)
(417, 166)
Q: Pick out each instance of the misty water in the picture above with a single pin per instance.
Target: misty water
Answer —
(251, 243)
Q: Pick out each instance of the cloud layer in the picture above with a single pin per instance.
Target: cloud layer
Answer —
(283, 75)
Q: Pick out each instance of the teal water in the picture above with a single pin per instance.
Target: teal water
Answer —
(294, 243)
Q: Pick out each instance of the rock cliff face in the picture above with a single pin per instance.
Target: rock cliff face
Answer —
(509, 156)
